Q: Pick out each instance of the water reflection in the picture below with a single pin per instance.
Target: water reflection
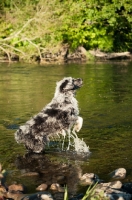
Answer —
(50, 169)
(121, 83)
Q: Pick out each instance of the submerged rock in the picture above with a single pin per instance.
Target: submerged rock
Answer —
(127, 187)
(118, 173)
(16, 188)
(56, 187)
(89, 179)
(117, 195)
(42, 187)
(39, 196)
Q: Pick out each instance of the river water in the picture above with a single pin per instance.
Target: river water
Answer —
(105, 103)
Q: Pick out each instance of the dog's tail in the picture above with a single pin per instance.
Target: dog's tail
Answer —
(21, 132)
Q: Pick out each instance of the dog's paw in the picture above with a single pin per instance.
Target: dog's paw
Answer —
(78, 125)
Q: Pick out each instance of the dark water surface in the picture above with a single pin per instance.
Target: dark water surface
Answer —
(105, 102)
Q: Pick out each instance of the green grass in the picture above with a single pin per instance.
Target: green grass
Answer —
(89, 195)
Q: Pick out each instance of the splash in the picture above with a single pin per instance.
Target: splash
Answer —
(80, 146)
(69, 141)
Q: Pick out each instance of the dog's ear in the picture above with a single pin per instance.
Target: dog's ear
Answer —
(66, 85)
(63, 86)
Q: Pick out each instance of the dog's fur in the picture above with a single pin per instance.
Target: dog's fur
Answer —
(58, 117)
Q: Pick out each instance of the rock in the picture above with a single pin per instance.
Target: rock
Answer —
(42, 187)
(113, 190)
(16, 188)
(118, 173)
(1, 197)
(39, 196)
(89, 179)
(113, 185)
(78, 55)
(57, 187)
(117, 195)
(127, 187)
(46, 197)
(1, 176)
(2, 189)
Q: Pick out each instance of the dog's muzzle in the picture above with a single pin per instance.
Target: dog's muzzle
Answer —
(78, 83)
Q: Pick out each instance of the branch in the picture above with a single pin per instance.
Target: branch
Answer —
(13, 48)
(18, 32)
(100, 54)
(35, 46)
(8, 55)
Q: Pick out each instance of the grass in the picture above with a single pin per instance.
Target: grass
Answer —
(89, 195)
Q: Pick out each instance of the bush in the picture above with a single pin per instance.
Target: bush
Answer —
(30, 27)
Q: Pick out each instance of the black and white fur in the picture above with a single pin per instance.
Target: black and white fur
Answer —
(58, 117)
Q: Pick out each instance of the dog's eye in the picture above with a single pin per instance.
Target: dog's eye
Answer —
(73, 80)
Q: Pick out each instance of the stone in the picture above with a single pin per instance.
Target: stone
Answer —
(15, 196)
(88, 179)
(16, 188)
(1, 197)
(57, 187)
(42, 187)
(117, 195)
(118, 173)
(127, 187)
(2, 189)
(39, 196)
(46, 197)
(113, 185)
(113, 190)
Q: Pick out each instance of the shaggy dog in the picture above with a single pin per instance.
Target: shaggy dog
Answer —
(60, 116)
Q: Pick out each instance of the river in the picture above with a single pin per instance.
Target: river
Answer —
(105, 103)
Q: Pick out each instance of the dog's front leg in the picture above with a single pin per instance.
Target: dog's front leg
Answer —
(78, 125)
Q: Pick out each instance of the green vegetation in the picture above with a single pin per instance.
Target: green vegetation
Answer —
(90, 194)
(29, 28)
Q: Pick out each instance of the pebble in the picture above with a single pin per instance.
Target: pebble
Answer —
(42, 187)
(57, 187)
(39, 196)
(16, 187)
(119, 173)
(88, 179)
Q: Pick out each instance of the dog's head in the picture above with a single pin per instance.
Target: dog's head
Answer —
(69, 84)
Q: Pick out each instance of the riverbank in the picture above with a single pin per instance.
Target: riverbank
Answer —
(65, 55)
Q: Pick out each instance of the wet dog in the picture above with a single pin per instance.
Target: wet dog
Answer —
(60, 116)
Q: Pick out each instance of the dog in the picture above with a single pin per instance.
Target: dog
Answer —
(60, 116)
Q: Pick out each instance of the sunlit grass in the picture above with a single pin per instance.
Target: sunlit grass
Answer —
(89, 195)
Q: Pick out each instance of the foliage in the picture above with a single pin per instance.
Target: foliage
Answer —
(66, 194)
(89, 195)
(30, 27)
(105, 25)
